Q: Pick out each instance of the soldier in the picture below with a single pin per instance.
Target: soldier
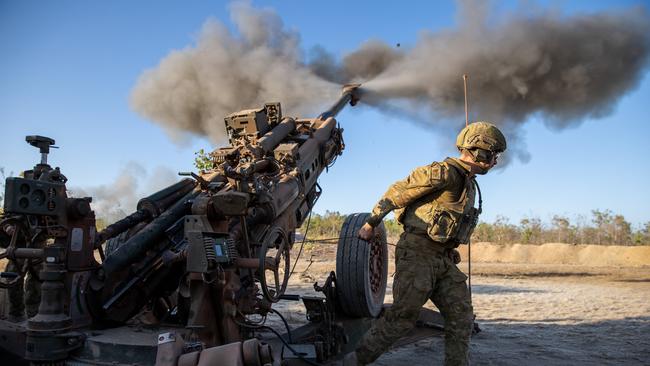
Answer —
(435, 204)
(24, 297)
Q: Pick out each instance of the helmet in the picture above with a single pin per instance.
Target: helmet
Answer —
(481, 135)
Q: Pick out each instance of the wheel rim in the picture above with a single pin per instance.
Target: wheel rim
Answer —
(376, 265)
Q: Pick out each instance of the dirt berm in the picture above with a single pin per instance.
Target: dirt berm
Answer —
(557, 253)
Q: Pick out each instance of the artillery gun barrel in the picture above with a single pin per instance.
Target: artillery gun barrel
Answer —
(350, 95)
(137, 245)
(147, 208)
(121, 226)
(272, 138)
(162, 199)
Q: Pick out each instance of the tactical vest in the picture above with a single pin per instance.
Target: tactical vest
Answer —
(447, 216)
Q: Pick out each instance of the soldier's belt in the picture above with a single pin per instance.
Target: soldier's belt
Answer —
(428, 243)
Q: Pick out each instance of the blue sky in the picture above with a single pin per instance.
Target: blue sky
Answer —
(67, 69)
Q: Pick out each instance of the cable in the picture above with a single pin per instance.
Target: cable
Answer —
(300, 355)
(286, 325)
(304, 239)
(469, 244)
(469, 270)
(250, 323)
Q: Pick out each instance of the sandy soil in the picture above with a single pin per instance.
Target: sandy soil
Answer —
(534, 314)
(543, 308)
(558, 253)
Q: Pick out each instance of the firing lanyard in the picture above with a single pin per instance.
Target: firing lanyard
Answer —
(469, 243)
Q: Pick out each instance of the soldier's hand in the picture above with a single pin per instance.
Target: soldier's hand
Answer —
(366, 232)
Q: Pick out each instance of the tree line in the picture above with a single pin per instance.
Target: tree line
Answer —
(602, 227)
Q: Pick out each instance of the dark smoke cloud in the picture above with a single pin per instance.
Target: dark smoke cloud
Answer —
(116, 200)
(562, 69)
(193, 89)
(565, 68)
(370, 60)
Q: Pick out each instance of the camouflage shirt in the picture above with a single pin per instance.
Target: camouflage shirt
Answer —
(440, 187)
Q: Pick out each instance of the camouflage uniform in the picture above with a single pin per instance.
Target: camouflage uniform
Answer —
(25, 296)
(16, 295)
(33, 291)
(430, 203)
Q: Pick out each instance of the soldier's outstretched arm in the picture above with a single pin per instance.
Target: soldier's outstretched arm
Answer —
(422, 181)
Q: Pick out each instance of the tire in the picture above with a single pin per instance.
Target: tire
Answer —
(361, 269)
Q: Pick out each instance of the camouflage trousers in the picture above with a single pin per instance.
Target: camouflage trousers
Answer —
(423, 272)
(25, 296)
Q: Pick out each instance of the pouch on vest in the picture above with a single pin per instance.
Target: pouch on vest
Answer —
(449, 225)
(445, 224)
(467, 225)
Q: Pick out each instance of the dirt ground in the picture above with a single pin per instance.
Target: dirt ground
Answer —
(533, 314)
(529, 313)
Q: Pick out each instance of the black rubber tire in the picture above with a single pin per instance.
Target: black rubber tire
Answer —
(353, 273)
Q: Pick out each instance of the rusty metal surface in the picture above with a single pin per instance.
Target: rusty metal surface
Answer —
(208, 256)
(121, 346)
(170, 347)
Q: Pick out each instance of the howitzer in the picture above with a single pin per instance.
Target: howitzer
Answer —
(196, 259)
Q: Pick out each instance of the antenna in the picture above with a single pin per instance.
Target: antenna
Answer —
(469, 243)
(465, 77)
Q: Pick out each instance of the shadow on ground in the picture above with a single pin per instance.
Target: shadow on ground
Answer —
(495, 289)
(610, 342)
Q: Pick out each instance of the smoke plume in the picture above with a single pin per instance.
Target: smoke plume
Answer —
(562, 69)
(192, 90)
(114, 201)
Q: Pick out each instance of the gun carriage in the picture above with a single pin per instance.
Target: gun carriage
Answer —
(178, 280)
